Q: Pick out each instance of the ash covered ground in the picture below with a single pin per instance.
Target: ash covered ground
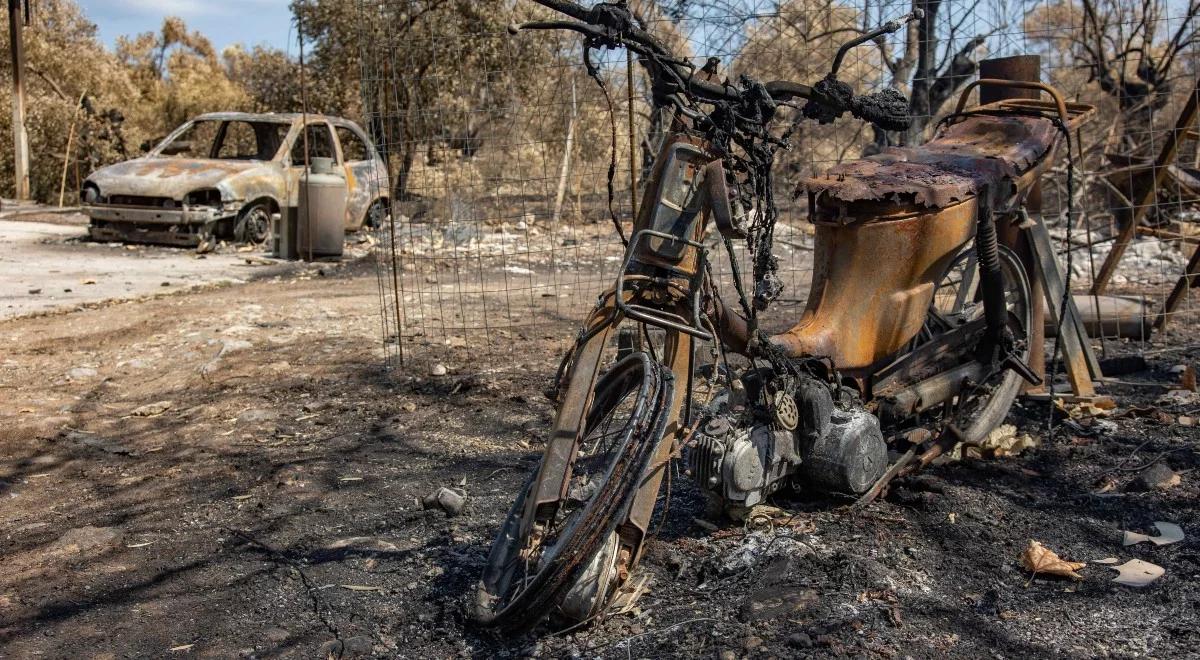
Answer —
(228, 472)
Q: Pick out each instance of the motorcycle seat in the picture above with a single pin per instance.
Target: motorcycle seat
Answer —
(980, 151)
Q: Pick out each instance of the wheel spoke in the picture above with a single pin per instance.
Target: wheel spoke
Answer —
(961, 285)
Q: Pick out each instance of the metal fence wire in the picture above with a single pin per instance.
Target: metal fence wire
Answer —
(500, 145)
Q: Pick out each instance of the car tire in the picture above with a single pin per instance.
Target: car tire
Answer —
(253, 224)
(376, 215)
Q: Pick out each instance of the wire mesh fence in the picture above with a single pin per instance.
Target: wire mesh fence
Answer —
(509, 161)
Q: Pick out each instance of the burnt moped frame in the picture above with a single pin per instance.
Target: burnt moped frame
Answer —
(879, 259)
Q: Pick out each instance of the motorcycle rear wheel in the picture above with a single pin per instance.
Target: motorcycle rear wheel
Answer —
(984, 407)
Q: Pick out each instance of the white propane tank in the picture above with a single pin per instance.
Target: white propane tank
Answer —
(322, 210)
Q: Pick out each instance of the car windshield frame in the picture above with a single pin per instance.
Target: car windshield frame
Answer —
(287, 125)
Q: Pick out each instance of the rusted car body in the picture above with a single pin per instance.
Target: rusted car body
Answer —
(224, 174)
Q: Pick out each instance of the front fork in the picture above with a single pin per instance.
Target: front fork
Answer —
(575, 397)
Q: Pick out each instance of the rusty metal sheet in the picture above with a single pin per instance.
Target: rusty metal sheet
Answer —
(894, 267)
(1017, 141)
(888, 178)
(962, 159)
(173, 178)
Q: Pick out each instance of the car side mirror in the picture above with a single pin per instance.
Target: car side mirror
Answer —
(177, 147)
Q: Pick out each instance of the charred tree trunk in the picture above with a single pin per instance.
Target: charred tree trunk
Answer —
(920, 102)
(933, 82)
(400, 192)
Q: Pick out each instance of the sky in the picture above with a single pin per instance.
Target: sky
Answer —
(224, 22)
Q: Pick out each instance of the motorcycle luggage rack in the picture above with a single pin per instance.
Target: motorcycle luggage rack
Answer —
(657, 317)
(1072, 115)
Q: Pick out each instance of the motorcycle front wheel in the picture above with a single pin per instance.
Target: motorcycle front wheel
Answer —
(563, 556)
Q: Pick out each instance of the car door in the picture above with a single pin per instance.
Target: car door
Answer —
(321, 144)
(363, 180)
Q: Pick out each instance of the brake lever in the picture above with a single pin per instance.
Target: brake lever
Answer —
(886, 28)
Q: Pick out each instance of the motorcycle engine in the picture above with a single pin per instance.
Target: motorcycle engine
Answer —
(746, 450)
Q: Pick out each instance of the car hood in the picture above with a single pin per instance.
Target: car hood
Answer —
(167, 177)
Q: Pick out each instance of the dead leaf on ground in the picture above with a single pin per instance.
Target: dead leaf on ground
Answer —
(1168, 533)
(1002, 442)
(1039, 559)
(626, 598)
(1137, 573)
(1187, 380)
(1099, 408)
(1106, 484)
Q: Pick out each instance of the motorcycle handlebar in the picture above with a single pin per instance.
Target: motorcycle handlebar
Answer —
(887, 109)
(780, 90)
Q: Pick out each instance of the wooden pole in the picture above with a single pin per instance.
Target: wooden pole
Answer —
(16, 20)
(1191, 276)
(306, 172)
(632, 144)
(62, 186)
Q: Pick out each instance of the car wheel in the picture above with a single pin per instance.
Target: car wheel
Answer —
(377, 215)
(254, 224)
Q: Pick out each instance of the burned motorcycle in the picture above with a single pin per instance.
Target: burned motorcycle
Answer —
(914, 336)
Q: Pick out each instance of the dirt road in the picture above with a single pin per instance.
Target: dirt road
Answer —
(46, 266)
(228, 473)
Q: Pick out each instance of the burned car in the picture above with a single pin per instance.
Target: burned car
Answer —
(223, 175)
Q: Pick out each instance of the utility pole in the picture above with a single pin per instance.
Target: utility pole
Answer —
(16, 21)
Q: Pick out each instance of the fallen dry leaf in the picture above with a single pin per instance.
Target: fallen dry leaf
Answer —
(1098, 407)
(1187, 380)
(1106, 484)
(1037, 558)
(626, 598)
(1168, 533)
(1003, 441)
(1137, 573)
